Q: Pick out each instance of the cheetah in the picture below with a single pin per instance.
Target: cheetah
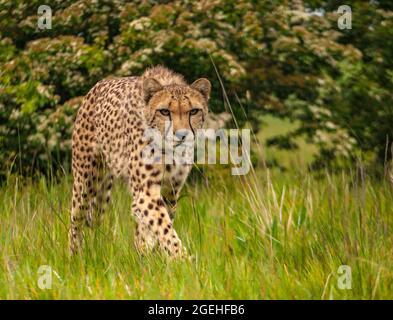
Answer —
(108, 141)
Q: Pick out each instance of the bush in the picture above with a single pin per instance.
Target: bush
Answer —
(277, 58)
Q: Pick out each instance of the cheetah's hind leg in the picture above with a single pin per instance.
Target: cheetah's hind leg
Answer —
(87, 203)
(101, 196)
(81, 199)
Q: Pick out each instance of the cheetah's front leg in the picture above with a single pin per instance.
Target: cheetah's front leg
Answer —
(174, 178)
(155, 224)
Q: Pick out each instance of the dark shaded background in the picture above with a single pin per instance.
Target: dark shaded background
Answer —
(285, 58)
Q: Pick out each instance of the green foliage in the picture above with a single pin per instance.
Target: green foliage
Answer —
(282, 236)
(275, 57)
(360, 99)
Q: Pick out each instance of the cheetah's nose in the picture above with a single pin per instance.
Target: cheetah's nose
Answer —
(181, 135)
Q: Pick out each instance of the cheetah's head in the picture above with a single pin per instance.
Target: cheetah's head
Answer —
(184, 107)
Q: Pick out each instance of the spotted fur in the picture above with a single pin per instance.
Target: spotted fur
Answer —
(107, 142)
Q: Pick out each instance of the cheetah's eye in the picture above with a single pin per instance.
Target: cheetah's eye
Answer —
(194, 111)
(165, 112)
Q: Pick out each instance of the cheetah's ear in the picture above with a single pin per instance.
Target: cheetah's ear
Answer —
(203, 86)
(150, 87)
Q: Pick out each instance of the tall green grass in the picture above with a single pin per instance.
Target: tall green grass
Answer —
(268, 235)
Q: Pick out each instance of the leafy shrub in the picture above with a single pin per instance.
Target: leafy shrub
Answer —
(279, 58)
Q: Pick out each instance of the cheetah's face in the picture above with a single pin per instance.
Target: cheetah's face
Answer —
(184, 108)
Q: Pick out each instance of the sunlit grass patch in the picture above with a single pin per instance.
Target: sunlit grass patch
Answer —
(265, 236)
